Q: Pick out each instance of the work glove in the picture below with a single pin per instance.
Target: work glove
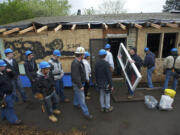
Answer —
(39, 96)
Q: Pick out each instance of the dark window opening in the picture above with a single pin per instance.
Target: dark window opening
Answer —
(115, 42)
(168, 44)
(153, 42)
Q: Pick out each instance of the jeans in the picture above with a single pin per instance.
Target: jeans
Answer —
(79, 99)
(16, 83)
(149, 76)
(51, 102)
(169, 74)
(104, 99)
(8, 112)
(60, 89)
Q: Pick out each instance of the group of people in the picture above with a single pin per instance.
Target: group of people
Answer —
(47, 81)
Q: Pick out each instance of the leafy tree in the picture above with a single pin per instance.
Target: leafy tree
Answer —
(16, 10)
(89, 11)
(112, 7)
(171, 5)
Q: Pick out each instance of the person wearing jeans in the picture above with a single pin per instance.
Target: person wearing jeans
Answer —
(172, 68)
(149, 62)
(78, 79)
(46, 90)
(58, 73)
(103, 76)
(6, 97)
(12, 66)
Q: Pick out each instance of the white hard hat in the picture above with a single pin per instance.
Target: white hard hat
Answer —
(80, 50)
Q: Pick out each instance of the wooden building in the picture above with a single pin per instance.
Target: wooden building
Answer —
(158, 31)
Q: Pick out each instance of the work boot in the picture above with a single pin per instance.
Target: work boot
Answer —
(56, 111)
(53, 118)
(102, 109)
(110, 109)
(88, 98)
(130, 96)
(18, 122)
(88, 117)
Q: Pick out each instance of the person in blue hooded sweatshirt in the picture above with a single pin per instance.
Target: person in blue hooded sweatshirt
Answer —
(6, 100)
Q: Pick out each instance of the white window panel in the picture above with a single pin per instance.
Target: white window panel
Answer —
(128, 67)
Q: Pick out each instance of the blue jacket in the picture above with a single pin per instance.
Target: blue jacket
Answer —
(149, 60)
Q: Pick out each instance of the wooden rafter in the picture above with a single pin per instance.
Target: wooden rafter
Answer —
(155, 26)
(138, 26)
(26, 30)
(42, 29)
(73, 27)
(11, 31)
(172, 25)
(122, 26)
(58, 28)
(105, 26)
(3, 29)
(89, 26)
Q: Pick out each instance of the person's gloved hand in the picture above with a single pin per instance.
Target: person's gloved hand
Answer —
(39, 96)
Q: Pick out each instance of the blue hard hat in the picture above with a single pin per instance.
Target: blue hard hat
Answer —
(146, 49)
(107, 46)
(2, 63)
(102, 52)
(174, 50)
(57, 53)
(8, 50)
(28, 52)
(87, 54)
(44, 64)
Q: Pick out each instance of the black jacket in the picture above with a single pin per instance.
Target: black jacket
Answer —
(5, 84)
(149, 60)
(78, 73)
(102, 72)
(14, 68)
(44, 84)
(138, 61)
(31, 69)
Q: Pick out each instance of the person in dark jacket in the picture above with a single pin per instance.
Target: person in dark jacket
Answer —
(139, 63)
(46, 87)
(31, 69)
(103, 76)
(6, 100)
(78, 79)
(12, 66)
(149, 62)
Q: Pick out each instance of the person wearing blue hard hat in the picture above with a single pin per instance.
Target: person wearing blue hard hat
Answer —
(46, 90)
(109, 57)
(12, 66)
(78, 76)
(6, 100)
(103, 77)
(31, 68)
(172, 68)
(58, 73)
(88, 74)
(149, 62)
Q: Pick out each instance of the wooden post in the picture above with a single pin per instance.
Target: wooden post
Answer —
(73, 27)
(11, 31)
(161, 45)
(122, 26)
(138, 26)
(26, 30)
(105, 26)
(58, 28)
(42, 29)
(3, 29)
(155, 26)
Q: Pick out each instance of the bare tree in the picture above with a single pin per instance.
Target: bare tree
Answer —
(89, 11)
(112, 7)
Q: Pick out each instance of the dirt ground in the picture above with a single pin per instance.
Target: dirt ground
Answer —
(128, 118)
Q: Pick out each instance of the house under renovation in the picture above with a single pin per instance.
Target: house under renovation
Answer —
(158, 31)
